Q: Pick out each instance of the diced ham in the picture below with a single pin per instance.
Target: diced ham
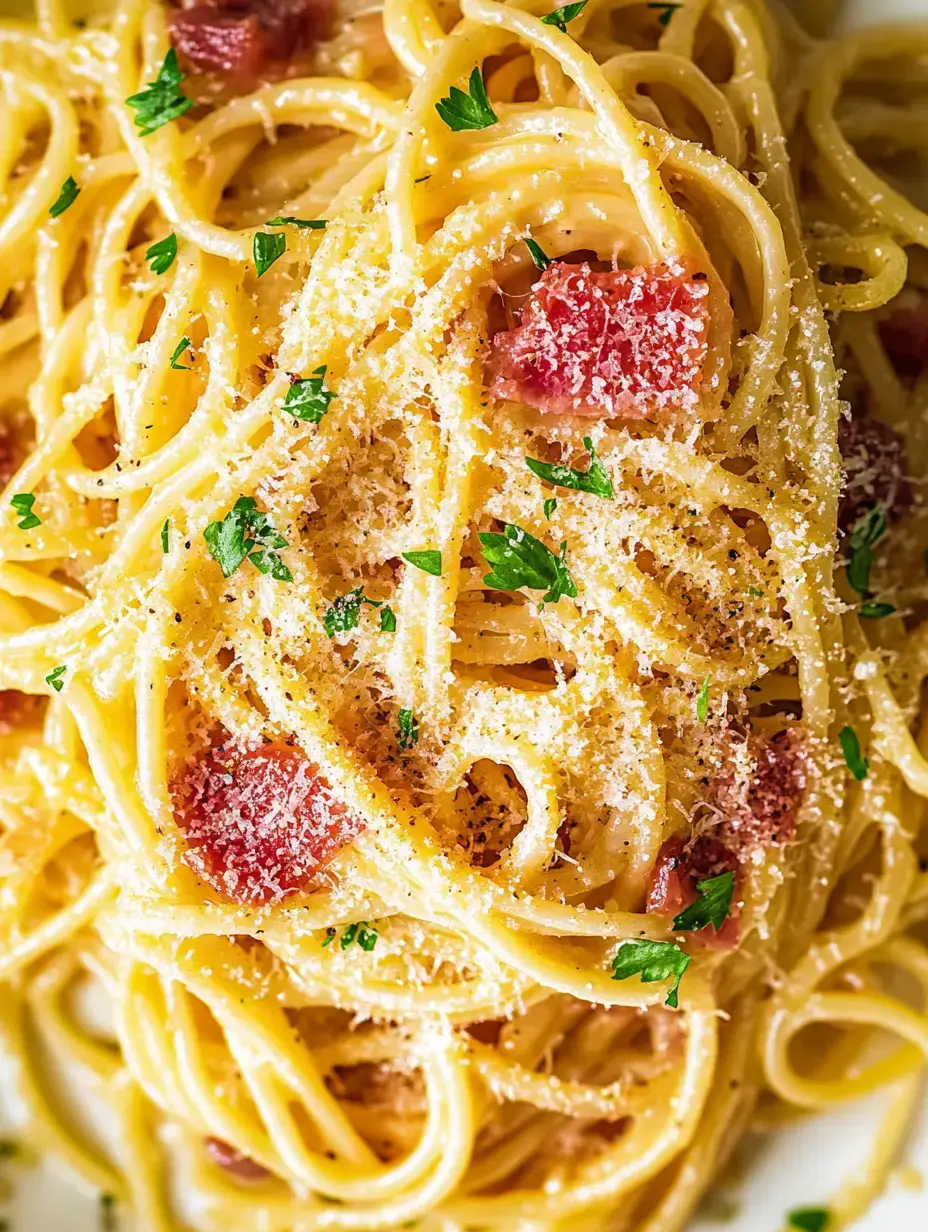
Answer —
(680, 865)
(242, 1167)
(762, 810)
(248, 40)
(620, 343)
(260, 822)
(874, 471)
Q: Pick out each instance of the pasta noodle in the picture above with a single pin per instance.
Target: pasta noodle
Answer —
(462, 602)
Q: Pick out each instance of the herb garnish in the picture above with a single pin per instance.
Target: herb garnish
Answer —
(306, 224)
(754, 592)
(667, 12)
(866, 533)
(428, 561)
(810, 1219)
(66, 198)
(308, 399)
(596, 480)
(54, 677)
(366, 937)
(702, 701)
(711, 907)
(387, 620)
(407, 729)
(161, 255)
(165, 531)
(518, 559)
(876, 611)
(229, 546)
(549, 506)
(462, 111)
(850, 747)
(560, 17)
(162, 100)
(345, 613)
(22, 504)
(653, 961)
(267, 248)
(178, 352)
(540, 258)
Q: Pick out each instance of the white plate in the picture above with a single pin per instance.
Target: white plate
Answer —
(802, 1166)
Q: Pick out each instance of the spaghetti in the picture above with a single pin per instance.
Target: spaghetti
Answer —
(462, 720)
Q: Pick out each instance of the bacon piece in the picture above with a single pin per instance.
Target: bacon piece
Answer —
(241, 1166)
(625, 342)
(9, 455)
(249, 40)
(904, 333)
(260, 822)
(874, 471)
(680, 865)
(762, 811)
(17, 709)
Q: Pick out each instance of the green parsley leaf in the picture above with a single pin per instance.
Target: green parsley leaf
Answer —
(162, 100)
(349, 935)
(462, 111)
(560, 17)
(549, 506)
(22, 504)
(596, 480)
(306, 224)
(367, 937)
(66, 198)
(229, 546)
(518, 559)
(876, 611)
(267, 248)
(810, 1219)
(308, 399)
(653, 961)
(178, 352)
(54, 678)
(755, 593)
(345, 613)
(702, 701)
(667, 12)
(866, 533)
(330, 934)
(387, 620)
(428, 562)
(711, 907)
(161, 255)
(540, 258)
(407, 729)
(165, 531)
(850, 747)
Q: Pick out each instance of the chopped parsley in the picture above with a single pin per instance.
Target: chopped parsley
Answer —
(810, 1219)
(407, 729)
(66, 198)
(702, 701)
(161, 255)
(182, 346)
(22, 504)
(666, 13)
(876, 611)
(365, 936)
(308, 399)
(387, 620)
(54, 677)
(711, 907)
(560, 17)
(267, 249)
(653, 961)
(540, 258)
(858, 765)
(165, 531)
(306, 224)
(549, 506)
(345, 613)
(596, 480)
(518, 559)
(462, 111)
(867, 532)
(162, 100)
(754, 592)
(245, 533)
(330, 935)
(428, 561)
